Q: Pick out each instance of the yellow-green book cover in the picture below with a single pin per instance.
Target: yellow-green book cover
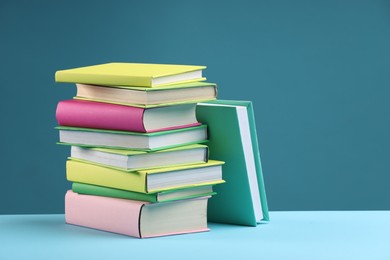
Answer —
(132, 74)
(146, 181)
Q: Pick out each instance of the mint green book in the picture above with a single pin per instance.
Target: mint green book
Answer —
(89, 137)
(164, 196)
(233, 139)
(132, 160)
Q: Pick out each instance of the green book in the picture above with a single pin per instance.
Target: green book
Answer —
(233, 139)
(89, 137)
(131, 160)
(164, 196)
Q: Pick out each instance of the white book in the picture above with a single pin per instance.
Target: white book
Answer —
(148, 97)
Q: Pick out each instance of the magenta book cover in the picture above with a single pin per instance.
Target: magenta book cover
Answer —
(90, 114)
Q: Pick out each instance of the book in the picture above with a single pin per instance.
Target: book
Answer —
(132, 74)
(163, 196)
(88, 114)
(91, 137)
(146, 181)
(130, 160)
(136, 218)
(233, 139)
(149, 97)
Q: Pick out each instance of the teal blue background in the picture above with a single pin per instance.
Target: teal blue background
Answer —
(316, 71)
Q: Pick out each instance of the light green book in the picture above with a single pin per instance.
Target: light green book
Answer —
(164, 196)
(132, 160)
(89, 137)
(233, 139)
(149, 97)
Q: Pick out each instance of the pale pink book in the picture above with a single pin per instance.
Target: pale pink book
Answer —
(99, 115)
(136, 218)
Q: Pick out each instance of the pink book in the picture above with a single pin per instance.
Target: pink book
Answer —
(90, 114)
(136, 218)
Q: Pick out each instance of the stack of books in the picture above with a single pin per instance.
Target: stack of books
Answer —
(138, 165)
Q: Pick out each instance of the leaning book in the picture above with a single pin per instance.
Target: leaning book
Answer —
(233, 139)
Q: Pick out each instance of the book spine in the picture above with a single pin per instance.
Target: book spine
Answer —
(104, 176)
(103, 213)
(88, 114)
(88, 189)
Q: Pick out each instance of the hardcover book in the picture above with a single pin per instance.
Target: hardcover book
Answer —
(131, 160)
(88, 114)
(233, 139)
(136, 218)
(91, 137)
(163, 196)
(149, 97)
(132, 74)
(146, 181)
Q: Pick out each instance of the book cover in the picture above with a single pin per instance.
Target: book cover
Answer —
(236, 200)
(132, 74)
(88, 114)
(146, 181)
(136, 218)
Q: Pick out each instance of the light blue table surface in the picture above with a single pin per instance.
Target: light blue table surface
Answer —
(289, 235)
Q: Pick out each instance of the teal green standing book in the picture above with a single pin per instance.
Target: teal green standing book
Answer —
(233, 139)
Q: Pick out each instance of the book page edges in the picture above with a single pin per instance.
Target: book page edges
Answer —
(210, 163)
(178, 233)
(135, 169)
(148, 105)
(135, 149)
(151, 191)
(256, 153)
(70, 128)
